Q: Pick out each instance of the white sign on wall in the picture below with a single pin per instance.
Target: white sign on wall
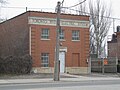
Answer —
(63, 22)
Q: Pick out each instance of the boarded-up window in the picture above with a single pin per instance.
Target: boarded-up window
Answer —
(75, 59)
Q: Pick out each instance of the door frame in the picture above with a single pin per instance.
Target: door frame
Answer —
(63, 49)
(62, 62)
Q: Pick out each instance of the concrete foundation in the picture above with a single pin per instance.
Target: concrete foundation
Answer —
(71, 70)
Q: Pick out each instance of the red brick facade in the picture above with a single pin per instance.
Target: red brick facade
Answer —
(76, 51)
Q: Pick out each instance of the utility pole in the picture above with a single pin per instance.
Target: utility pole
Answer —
(113, 25)
(56, 65)
(26, 9)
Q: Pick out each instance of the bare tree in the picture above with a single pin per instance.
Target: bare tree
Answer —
(82, 8)
(2, 2)
(100, 24)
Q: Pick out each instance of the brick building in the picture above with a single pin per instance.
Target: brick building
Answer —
(34, 33)
(114, 45)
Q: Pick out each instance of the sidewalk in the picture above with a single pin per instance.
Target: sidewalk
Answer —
(74, 78)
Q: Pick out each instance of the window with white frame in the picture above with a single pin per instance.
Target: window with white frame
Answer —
(44, 59)
(45, 33)
(75, 35)
(61, 35)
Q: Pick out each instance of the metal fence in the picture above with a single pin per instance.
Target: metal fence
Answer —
(104, 65)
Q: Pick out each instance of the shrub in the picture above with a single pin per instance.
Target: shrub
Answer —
(16, 65)
(26, 64)
(1, 65)
(118, 68)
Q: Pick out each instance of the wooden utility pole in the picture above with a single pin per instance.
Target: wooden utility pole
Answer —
(56, 65)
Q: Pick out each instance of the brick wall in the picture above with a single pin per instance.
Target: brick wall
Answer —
(14, 38)
(73, 47)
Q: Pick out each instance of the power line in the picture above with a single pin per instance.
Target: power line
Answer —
(25, 8)
(15, 7)
(90, 13)
(61, 7)
(62, 2)
(77, 4)
(86, 12)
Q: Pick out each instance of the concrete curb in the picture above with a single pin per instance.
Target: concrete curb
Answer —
(50, 80)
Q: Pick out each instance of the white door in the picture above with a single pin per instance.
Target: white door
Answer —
(62, 61)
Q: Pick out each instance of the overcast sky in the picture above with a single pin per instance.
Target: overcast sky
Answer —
(49, 5)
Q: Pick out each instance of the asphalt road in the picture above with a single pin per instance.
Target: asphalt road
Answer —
(79, 85)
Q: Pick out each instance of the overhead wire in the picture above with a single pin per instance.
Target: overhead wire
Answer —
(62, 7)
(77, 4)
(86, 12)
(25, 8)
(90, 13)
(62, 2)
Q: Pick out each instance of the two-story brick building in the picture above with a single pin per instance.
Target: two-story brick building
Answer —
(34, 33)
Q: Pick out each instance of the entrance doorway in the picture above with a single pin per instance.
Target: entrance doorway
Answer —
(62, 61)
